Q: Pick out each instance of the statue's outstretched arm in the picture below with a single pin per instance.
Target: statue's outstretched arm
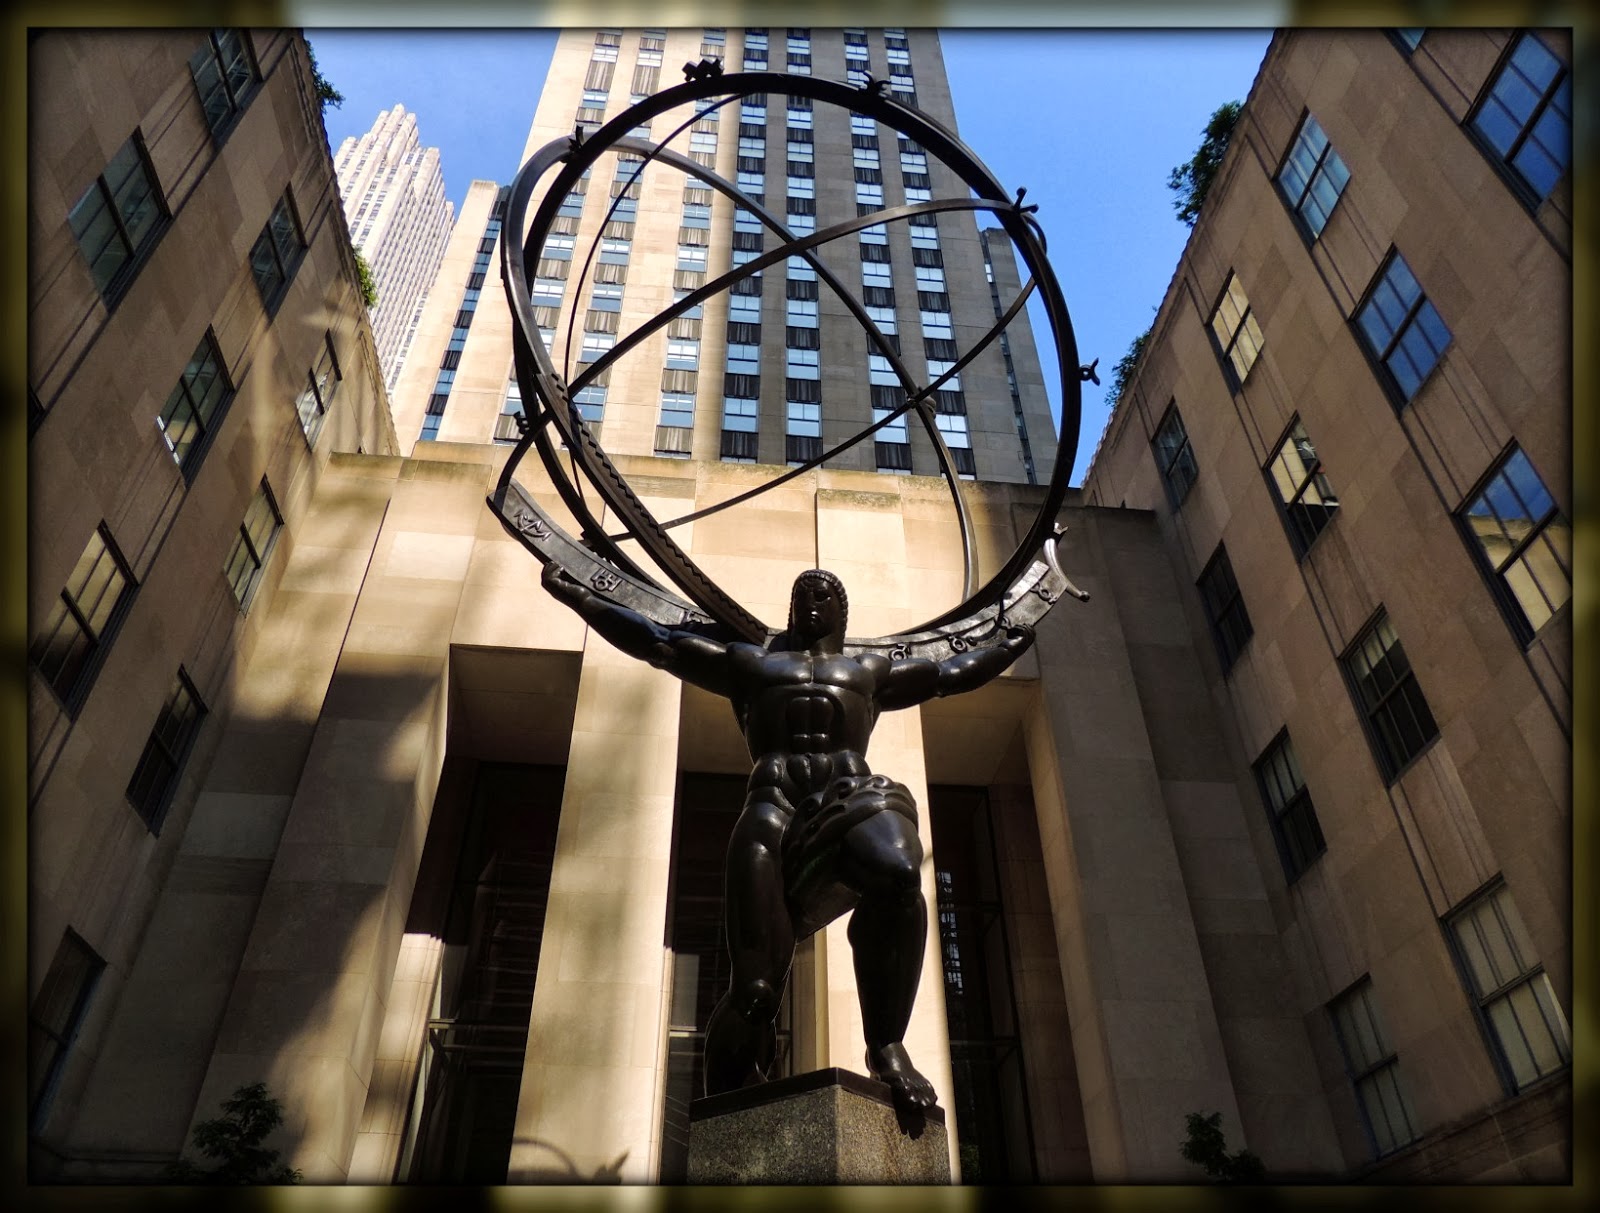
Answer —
(915, 680)
(687, 655)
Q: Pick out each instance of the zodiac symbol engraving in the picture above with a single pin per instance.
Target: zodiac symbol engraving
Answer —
(604, 582)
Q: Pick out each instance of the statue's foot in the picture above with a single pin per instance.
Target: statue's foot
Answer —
(891, 1065)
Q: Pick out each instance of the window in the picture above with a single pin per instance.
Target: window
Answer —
(1514, 997)
(1236, 332)
(683, 355)
(805, 420)
(258, 534)
(1289, 808)
(1174, 458)
(276, 254)
(1373, 1069)
(802, 364)
(118, 218)
(55, 1017)
(1312, 177)
(1402, 329)
(1526, 116)
(677, 408)
(324, 382)
(876, 273)
(154, 778)
(1399, 722)
(83, 622)
(1306, 498)
(1219, 593)
(595, 345)
(223, 74)
(1523, 540)
(740, 414)
(196, 406)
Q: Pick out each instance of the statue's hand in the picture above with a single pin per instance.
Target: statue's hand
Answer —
(559, 582)
(1021, 635)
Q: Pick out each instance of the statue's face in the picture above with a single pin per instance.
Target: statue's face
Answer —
(815, 610)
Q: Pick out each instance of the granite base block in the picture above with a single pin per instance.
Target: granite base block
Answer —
(827, 1127)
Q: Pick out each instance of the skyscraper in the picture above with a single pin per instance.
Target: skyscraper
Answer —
(776, 370)
(399, 221)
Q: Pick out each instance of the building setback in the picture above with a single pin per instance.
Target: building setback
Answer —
(443, 871)
(400, 220)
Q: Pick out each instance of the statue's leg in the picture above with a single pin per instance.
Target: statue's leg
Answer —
(742, 1033)
(881, 858)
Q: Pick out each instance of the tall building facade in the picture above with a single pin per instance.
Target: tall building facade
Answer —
(777, 370)
(197, 350)
(400, 220)
(447, 877)
(1353, 422)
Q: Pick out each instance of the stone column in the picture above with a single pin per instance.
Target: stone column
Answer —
(310, 994)
(590, 1104)
(1144, 1029)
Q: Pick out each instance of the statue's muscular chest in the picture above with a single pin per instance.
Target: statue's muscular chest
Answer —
(814, 702)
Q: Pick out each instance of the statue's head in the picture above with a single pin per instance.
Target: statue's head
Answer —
(818, 607)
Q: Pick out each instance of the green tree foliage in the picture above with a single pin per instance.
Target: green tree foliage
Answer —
(233, 1143)
(369, 288)
(1208, 1149)
(326, 93)
(1192, 181)
(1123, 371)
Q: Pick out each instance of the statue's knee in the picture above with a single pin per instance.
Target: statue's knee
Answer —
(898, 873)
(757, 1001)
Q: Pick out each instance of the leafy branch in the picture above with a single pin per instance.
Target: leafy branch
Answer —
(1208, 1149)
(233, 1142)
(1192, 181)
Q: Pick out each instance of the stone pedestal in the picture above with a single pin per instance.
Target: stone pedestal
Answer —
(827, 1127)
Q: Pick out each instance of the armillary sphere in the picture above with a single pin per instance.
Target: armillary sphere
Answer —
(1023, 589)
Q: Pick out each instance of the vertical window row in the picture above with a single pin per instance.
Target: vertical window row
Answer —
(897, 50)
(1005, 353)
(755, 50)
(551, 273)
(855, 56)
(802, 360)
(799, 52)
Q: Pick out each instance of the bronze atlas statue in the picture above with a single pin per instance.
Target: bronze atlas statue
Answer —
(820, 834)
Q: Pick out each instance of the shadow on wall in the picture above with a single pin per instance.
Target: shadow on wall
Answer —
(561, 1169)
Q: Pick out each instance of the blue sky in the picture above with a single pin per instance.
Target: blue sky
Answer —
(1090, 121)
